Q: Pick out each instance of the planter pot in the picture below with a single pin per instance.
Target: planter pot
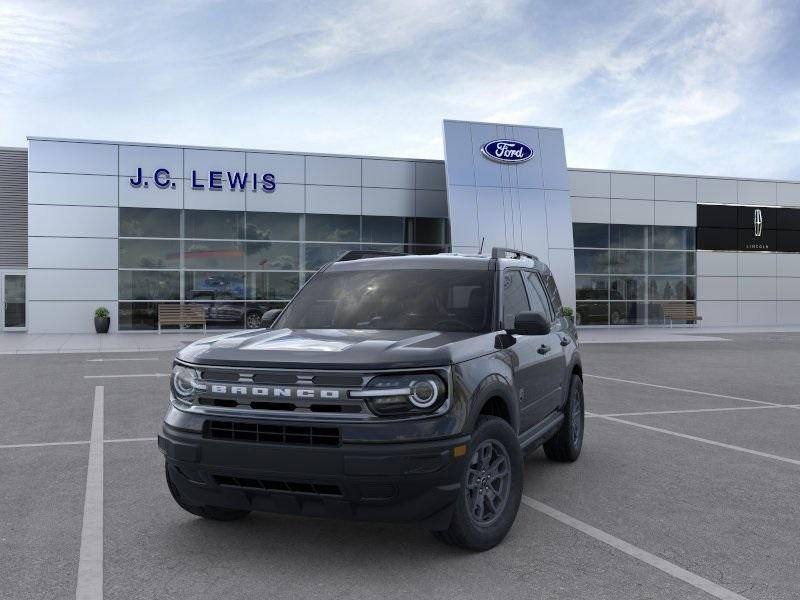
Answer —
(101, 324)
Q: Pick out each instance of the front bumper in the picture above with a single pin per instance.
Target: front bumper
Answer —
(397, 482)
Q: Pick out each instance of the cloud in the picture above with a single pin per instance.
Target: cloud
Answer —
(37, 39)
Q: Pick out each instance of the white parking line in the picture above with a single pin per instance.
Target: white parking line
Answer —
(90, 563)
(709, 587)
(124, 376)
(41, 444)
(690, 410)
(699, 439)
(120, 359)
(675, 389)
(77, 443)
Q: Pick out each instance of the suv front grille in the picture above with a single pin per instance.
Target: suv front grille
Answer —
(318, 489)
(273, 434)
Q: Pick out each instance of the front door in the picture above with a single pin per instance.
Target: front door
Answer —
(13, 297)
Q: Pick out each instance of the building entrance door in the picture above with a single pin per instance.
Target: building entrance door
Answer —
(13, 297)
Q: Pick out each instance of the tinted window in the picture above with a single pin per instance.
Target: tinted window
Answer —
(630, 236)
(386, 229)
(273, 226)
(210, 285)
(537, 296)
(149, 222)
(591, 261)
(149, 285)
(515, 298)
(452, 301)
(214, 224)
(149, 254)
(199, 254)
(673, 238)
(265, 256)
(333, 228)
(430, 231)
(590, 235)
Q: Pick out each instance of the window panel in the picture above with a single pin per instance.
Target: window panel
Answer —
(214, 224)
(273, 226)
(272, 286)
(590, 235)
(137, 316)
(149, 254)
(591, 261)
(262, 256)
(673, 238)
(536, 295)
(591, 313)
(386, 229)
(149, 222)
(320, 254)
(333, 228)
(213, 285)
(628, 261)
(428, 230)
(591, 288)
(515, 298)
(627, 313)
(671, 288)
(630, 236)
(149, 285)
(627, 288)
(672, 263)
(655, 312)
(200, 254)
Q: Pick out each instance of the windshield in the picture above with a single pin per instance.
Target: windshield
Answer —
(437, 300)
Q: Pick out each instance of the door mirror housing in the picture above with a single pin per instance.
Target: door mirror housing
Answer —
(269, 317)
(531, 323)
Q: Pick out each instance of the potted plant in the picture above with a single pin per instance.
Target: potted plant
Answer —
(102, 320)
(568, 313)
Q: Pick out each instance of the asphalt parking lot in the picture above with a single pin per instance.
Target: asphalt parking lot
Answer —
(688, 487)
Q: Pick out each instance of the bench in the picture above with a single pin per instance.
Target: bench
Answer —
(681, 311)
(181, 315)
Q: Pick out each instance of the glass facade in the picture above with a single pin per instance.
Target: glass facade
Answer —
(239, 264)
(624, 274)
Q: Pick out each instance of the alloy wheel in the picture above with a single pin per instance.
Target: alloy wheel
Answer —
(488, 482)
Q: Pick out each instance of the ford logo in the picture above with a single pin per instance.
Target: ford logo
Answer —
(507, 151)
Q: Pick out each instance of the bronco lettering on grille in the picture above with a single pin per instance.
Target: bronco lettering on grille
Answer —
(275, 392)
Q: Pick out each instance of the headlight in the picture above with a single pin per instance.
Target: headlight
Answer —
(397, 395)
(185, 381)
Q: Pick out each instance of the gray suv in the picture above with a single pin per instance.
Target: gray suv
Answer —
(394, 388)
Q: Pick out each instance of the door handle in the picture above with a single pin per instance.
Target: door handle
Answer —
(543, 349)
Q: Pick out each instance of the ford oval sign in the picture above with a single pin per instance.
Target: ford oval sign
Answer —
(507, 151)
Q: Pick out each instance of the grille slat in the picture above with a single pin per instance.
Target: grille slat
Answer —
(301, 435)
(293, 487)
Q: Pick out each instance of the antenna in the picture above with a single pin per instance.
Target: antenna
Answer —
(483, 239)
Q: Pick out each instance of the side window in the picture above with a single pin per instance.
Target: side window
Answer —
(515, 298)
(539, 301)
(552, 290)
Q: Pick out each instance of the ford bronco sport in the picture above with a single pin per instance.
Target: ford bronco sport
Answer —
(397, 388)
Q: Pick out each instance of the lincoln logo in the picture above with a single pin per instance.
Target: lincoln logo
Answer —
(758, 222)
(507, 151)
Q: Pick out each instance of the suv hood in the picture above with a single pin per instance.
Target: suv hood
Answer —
(338, 349)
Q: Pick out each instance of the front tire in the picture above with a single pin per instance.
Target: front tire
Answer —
(491, 488)
(565, 446)
(215, 513)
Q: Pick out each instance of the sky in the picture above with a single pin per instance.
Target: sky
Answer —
(701, 87)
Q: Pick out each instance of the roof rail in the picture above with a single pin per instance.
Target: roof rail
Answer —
(501, 253)
(359, 254)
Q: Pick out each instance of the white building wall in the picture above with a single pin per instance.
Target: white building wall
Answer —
(733, 288)
(77, 187)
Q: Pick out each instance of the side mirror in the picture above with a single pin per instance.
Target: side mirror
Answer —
(269, 317)
(531, 323)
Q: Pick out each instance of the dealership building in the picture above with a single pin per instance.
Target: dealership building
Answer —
(132, 227)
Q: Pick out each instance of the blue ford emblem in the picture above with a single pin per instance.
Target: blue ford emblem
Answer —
(507, 151)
